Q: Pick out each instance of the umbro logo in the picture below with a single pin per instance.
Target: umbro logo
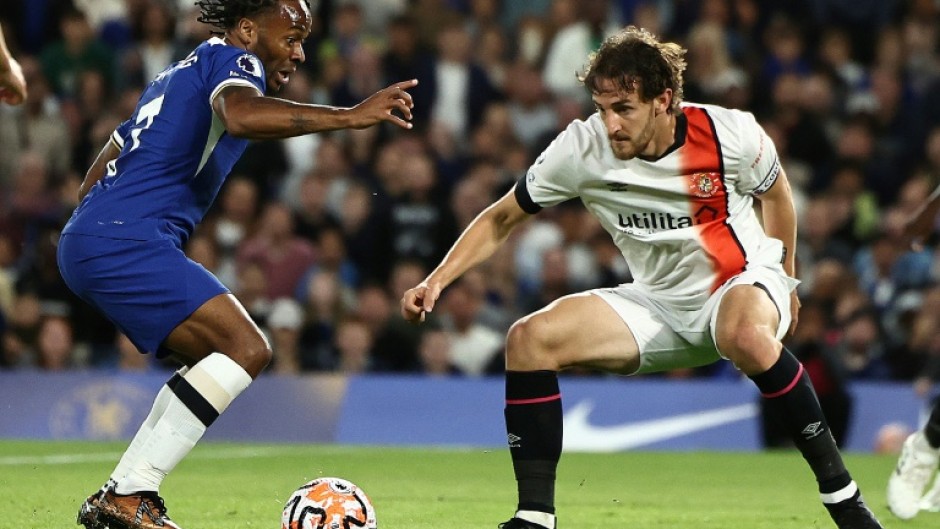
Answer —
(514, 440)
(813, 429)
(617, 187)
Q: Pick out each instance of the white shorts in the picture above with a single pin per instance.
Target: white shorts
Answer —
(672, 338)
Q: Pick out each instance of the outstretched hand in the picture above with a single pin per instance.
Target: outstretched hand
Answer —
(418, 301)
(12, 84)
(381, 106)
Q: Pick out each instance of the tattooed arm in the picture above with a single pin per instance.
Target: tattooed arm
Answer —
(248, 114)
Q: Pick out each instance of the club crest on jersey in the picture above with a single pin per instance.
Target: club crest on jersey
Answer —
(249, 64)
(704, 185)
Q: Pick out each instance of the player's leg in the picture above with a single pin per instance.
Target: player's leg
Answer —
(88, 512)
(129, 281)
(225, 351)
(916, 466)
(747, 328)
(577, 330)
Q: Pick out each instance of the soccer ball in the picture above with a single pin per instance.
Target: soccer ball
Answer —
(328, 503)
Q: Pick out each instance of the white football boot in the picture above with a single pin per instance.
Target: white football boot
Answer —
(931, 501)
(916, 466)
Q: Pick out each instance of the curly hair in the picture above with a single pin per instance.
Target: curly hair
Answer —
(224, 14)
(636, 61)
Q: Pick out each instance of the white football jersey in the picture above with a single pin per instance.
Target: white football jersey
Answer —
(684, 222)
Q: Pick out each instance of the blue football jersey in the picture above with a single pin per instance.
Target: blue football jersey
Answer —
(175, 153)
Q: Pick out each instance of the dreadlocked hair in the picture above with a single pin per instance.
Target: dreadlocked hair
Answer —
(224, 14)
(636, 61)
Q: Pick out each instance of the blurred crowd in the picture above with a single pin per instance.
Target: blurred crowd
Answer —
(319, 236)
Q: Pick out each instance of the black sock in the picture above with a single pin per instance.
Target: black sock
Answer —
(789, 393)
(932, 429)
(534, 427)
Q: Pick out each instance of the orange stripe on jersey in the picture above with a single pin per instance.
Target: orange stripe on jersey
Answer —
(704, 172)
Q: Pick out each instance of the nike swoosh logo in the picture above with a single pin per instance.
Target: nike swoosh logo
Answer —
(582, 436)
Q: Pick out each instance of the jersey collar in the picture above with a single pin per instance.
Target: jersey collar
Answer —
(682, 125)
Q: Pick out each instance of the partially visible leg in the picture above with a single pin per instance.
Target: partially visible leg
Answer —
(226, 350)
(194, 401)
(88, 513)
(578, 330)
(916, 466)
(746, 330)
(932, 428)
(160, 404)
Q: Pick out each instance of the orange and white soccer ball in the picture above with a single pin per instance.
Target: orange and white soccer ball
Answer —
(328, 503)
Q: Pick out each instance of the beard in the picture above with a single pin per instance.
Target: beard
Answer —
(628, 149)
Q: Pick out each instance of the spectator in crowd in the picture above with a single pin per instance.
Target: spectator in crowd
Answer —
(231, 222)
(252, 291)
(405, 58)
(79, 50)
(885, 269)
(313, 215)
(55, 345)
(418, 225)
(283, 326)
(475, 349)
(435, 354)
(394, 344)
(129, 358)
(860, 346)
(531, 113)
(460, 88)
(155, 47)
(37, 128)
(283, 256)
(327, 302)
(572, 44)
(359, 226)
(202, 249)
(712, 73)
(21, 332)
(352, 347)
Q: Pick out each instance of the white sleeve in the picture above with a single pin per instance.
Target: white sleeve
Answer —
(760, 164)
(552, 178)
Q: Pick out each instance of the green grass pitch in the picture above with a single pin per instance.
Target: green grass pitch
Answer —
(233, 486)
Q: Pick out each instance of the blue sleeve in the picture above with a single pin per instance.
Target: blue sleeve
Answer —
(233, 66)
(117, 137)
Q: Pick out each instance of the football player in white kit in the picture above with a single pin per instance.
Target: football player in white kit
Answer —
(673, 183)
(917, 464)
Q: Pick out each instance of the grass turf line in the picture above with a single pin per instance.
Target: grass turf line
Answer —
(227, 486)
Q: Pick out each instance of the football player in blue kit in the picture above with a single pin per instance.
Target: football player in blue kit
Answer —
(122, 249)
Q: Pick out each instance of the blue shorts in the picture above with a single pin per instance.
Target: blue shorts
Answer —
(147, 288)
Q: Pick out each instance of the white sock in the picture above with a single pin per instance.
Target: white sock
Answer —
(160, 404)
(195, 402)
(544, 519)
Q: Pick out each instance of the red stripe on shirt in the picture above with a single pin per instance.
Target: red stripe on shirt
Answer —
(703, 169)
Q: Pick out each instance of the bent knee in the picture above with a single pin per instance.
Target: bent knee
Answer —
(752, 347)
(252, 355)
(529, 345)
